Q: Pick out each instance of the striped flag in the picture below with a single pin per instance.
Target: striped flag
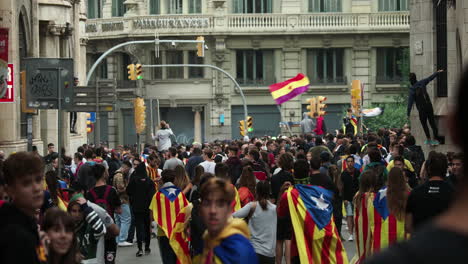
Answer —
(168, 206)
(287, 90)
(311, 210)
(364, 220)
(387, 229)
(235, 204)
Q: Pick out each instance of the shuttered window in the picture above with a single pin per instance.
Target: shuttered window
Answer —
(195, 6)
(253, 6)
(255, 67)
(118, 8)
(318, 6)
(393, 5)
(325, 66)
(155, 7)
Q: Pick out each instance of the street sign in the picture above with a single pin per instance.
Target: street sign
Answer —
(85, 98)
(7, 91)
(44, 79)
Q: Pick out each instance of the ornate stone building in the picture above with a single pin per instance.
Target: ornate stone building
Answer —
(259, 42)
(439, 40)
(47, 29)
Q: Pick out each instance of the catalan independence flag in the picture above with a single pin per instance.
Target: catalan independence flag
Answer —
(168, 211)
(387, 228)
(287, 90)
(317, 237)
(364, 221)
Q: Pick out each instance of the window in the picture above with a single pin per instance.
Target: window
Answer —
(255, 67)
(195, 6)
(194, 59)
(155, 7)
(325, 66)
(389, 61)
(118, 8)
(174, 6)
(94, 9)
(253, 6)
(393, 5)
(175, 57)
(156, 73)
(317, 6)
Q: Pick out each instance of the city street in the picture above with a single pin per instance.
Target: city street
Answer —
(127, 254)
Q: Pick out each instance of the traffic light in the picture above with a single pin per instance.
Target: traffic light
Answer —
(200, 48)
(249, 124)
(139, 70)
(89, 123)
(242, 128)
(321, 105)
(312, 107)
(131, 72)
(140, 114)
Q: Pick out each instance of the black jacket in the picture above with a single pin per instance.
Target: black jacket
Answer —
(193, 162)
(235, 168)
(140, 190)
(19, 239)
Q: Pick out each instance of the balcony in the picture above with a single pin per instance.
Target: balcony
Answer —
(241, 24)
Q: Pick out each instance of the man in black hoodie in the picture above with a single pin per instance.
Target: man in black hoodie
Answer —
(234, 164)
(418, 94)
(141, 190)
(19, 237)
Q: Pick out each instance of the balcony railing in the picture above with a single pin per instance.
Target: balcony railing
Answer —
(248, 24)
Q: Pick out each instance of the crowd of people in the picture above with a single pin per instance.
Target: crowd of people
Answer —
(262, 200)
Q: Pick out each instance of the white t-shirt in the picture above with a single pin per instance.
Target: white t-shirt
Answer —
(209, 166)
(163, 137)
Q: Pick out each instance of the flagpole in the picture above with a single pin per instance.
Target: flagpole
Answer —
(281, 115)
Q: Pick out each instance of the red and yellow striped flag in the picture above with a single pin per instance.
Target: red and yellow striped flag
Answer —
(287, 90)
(236, 204)
(168, 211)
(317, 237)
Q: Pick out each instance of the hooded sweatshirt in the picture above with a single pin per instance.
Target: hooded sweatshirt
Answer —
(232, 245)
(19, 239)
(88, 231)
(140, 190)
(307, 124)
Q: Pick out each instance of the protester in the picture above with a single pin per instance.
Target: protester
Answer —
(261, 215)
(431, 198)
(89, 228)
(350, 180)
(123, 219)
(246, 186)
(457, 170)
(181, 179)
(19, 237)
(62, 243)
(172, 160)
(226, 238)
(234, 164)
(163, 136)
(194, 160)
(140, 190)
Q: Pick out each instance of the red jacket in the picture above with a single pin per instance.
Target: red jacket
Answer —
(319, 127)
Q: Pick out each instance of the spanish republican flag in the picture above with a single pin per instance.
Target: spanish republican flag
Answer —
(317, 237)
(168, 206)
(364, 221)
(387, 228)
(287, 90)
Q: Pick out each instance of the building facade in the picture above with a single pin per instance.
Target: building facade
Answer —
(258, 42)
(439, 40)
(46, 29)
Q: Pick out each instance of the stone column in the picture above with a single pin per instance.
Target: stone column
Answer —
(197, 135)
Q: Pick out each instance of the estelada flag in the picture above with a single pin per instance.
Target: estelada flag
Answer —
(167, 205)
(317, 237)
(287, 90)
(387, 229)
(364, 221)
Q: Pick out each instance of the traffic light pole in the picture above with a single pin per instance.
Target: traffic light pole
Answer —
(212, 67)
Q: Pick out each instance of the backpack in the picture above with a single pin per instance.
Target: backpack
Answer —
(102, 202)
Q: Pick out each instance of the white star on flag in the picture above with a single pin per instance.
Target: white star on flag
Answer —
(171, 191)
(321, 204)
(382, 194)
